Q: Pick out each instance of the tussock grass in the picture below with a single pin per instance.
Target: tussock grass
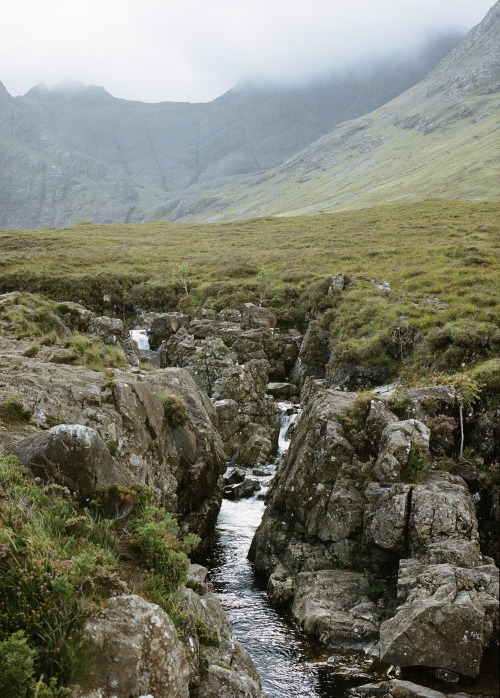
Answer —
(424, 278)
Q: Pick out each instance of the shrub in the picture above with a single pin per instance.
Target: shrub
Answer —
(176, 411)
(353, 422)
(417, 466)
(32, 351)
(13, 410)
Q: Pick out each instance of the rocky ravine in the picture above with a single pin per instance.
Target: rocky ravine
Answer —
(366, 537)
(370, 542)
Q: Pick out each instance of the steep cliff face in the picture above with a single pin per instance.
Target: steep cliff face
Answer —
(368, 538)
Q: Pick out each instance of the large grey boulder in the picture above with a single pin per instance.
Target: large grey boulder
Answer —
(71, 455)
(332, 606)
(137, 652)
(446, 617)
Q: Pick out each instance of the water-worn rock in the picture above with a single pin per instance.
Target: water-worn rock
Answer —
(138, 652)
(332, 605)
(221, 665)
(446, 617)
(73, 456)
(397, 688)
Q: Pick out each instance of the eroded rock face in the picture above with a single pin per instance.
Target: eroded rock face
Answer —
(138, 651)
(224, 666)
(73, 456)
(183, 465)
(354, 505)
(332, 605)
(446, 618)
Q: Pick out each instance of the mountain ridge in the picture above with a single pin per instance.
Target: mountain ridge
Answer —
(85, 155)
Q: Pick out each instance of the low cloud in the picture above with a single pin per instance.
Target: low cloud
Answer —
(192, 50)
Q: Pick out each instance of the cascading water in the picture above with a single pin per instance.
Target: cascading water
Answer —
(289, 663)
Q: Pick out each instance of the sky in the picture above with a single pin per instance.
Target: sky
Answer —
(195, 50)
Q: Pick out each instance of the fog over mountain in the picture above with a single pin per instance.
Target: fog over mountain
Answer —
(76, 153)
(190, 50)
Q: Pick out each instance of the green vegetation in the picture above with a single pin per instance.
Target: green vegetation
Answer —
(13, 410)
(417, 466)
(421, 293)
(176, 411)
(92, 352)
(59, 560)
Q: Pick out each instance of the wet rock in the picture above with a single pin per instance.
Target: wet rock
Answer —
(225, 667)
(138, 650)
(242, 490)
(280, 586)
(282, 391)
(397, 688)
(234, 477)
(332, 606)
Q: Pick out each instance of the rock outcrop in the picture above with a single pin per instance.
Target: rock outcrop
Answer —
(367, 540)
(139, 652)
(125, 420)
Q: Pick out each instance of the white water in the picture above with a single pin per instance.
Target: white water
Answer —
(141, 339)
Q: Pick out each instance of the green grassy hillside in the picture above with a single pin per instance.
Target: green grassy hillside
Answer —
(424, 278)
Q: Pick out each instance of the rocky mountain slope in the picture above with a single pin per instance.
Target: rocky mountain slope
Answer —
(76, 153)
(439, 139)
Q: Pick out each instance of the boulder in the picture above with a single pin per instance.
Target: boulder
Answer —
(109, 330)
(282, 391)
(71, 455)
(332, 606)
(164, 326)
(224, 667)
(446, 617)
(242, 490)
(138, 651)
(255, 316)
(396, 441)
(397, 688)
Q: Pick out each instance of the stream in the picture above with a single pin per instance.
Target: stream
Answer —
(289, 663)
